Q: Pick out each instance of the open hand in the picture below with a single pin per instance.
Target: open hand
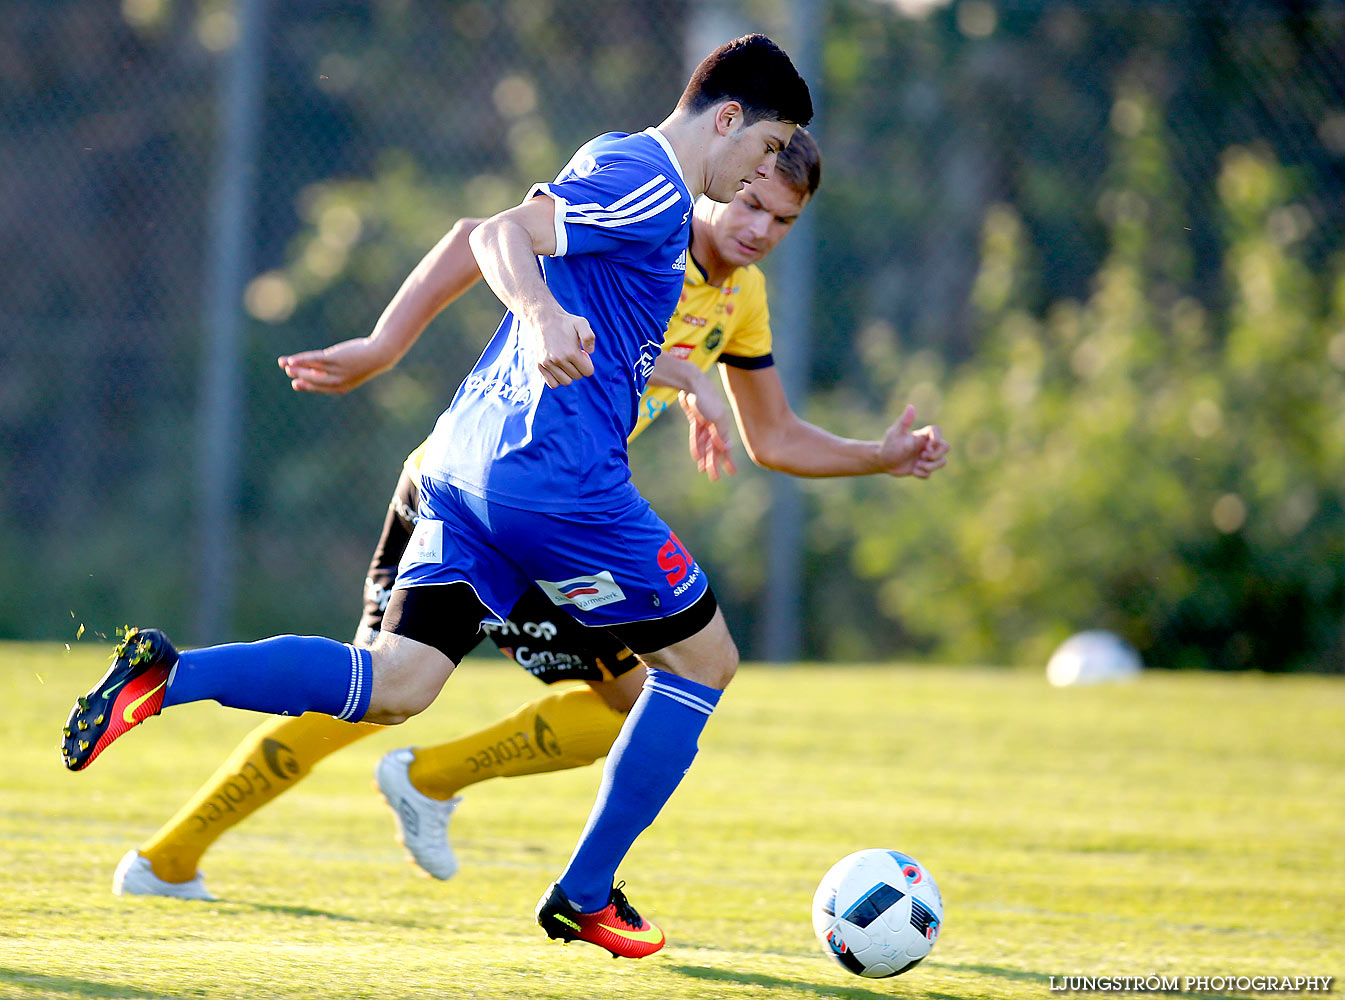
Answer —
(709, 434)
(337, 369)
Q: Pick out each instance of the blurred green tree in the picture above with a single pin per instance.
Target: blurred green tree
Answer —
(1123, 463)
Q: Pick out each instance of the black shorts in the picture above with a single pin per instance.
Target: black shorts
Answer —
(539, 636)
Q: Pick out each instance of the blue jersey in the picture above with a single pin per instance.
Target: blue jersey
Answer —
(622, 212)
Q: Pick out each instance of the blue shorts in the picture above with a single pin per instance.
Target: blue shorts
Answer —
(605, 568)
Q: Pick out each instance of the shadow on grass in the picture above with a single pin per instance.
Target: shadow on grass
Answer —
(994, 970)
(790, 985)
(298, 911)
(858, 993)
(68, 986)
(309, 911)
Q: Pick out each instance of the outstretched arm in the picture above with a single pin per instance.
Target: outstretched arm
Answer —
(711, 440)
(442, 275)
(506, 248)
(776, 438)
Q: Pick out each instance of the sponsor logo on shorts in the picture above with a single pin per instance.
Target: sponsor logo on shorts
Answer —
(584, 592)
(674, 560)
(689, 582)
(538, 630)
(426, 544)
(543, 661)
(679, 569)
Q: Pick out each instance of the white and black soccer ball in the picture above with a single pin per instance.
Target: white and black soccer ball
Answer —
(877, 913)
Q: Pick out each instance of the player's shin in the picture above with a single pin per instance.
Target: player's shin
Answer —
(283, 675)
(646, 764)
(272, 759)
(562, 730)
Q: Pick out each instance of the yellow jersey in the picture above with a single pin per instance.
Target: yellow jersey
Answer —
(728, 323)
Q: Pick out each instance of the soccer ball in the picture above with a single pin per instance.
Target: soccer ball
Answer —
(877, 912)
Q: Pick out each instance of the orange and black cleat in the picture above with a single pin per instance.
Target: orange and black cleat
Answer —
(129, 693)
(616, 927)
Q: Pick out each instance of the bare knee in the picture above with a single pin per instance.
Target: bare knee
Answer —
(394, 701)
(725, 668)
(709, 657)
(407, 677)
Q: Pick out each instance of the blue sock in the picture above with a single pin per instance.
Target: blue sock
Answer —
(284, 675)
(656, 746)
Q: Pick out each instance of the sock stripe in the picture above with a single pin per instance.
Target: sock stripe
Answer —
(680, 696)
(358, 667)
(364, 667)
(350, 690)
(356, 682)
(364, 663)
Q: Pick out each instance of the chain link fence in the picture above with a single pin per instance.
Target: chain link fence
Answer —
(382, 121)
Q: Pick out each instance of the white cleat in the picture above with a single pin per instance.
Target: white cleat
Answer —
(135, 877)
(422, 822)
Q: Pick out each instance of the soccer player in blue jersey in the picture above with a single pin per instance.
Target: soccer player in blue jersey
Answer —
(722, 318)
(525, 480)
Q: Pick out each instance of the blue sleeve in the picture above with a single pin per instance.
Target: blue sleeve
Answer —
(624, 208)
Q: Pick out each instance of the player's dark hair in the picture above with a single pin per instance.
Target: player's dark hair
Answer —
(756, 73)
(800, 163)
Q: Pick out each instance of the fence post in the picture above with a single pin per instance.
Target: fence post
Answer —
(228, 259)
(791, 305)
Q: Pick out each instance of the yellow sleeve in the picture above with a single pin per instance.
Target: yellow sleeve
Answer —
(413, 460)
(749, 338)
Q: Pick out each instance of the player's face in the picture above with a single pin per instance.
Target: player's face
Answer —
(748, 228)
(748, 153)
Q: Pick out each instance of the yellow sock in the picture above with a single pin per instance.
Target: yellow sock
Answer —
(568, 729)
(273, 758)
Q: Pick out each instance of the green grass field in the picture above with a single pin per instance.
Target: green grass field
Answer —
(1181, 825)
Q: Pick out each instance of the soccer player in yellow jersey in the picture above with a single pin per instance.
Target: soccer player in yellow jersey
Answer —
(722, 317)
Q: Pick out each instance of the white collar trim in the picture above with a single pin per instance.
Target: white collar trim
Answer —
(667, 148)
